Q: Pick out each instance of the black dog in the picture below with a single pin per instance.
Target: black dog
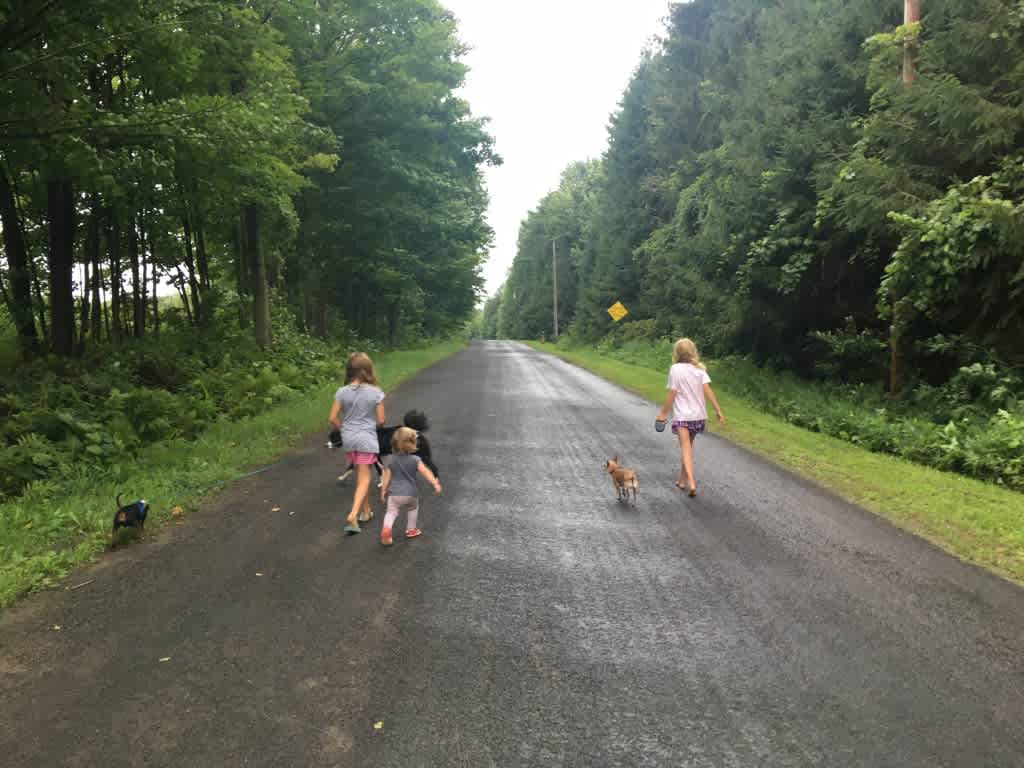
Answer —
(129, 516)
(416, 420)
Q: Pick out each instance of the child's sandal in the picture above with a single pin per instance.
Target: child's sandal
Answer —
(412, 533)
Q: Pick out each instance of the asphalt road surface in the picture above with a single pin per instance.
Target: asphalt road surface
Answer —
(536, 623)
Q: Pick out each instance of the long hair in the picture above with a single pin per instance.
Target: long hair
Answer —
(360, 366)
(685, 351)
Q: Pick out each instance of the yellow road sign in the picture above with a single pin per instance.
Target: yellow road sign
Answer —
(617, 311)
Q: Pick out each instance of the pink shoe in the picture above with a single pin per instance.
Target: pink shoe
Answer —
(412, 533)
(385, 537)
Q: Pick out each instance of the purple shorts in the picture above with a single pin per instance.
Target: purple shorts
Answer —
(693, 427)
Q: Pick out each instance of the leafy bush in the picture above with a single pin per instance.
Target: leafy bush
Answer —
(849, 354)
(62, 416)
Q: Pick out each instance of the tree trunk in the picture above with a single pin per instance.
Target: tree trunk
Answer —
(60, 205)
(114, 254)
(307, 310)
(190, 263)
(20, 299)
(156, 299)
(37, 286)
(350, 306)
(897, 349)
(91, 258)
(97, 306)
(316, 313)
(260, 291)
(33, 269)
(202, 262)
(241, 273)
(3, 292)
(143, 250)
(394, 314)
(180, 285)
(133, 255)
(83, 307)
(106, 309)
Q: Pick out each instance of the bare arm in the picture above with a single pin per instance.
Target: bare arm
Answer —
(380, 414)
(335, 411)
(385, 480)
(709, 393)
(669, 399)
(425, 471)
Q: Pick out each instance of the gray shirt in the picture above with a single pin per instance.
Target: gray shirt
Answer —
(359, 418)
(404, 469)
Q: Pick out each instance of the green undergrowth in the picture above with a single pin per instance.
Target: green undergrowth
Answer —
(976, 521)
(59, 523)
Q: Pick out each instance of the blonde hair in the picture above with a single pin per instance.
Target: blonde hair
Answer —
(685, 351)
(360, 366)
(404, 440)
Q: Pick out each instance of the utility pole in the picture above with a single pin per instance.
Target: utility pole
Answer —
(911, 15)
(554, 279)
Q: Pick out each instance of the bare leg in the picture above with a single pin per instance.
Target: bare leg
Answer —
(359, 499)
(686, 471)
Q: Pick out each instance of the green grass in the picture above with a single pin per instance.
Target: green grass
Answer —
(975, 521)
(55, 526)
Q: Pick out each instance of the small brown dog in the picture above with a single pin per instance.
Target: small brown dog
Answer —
(624, 480)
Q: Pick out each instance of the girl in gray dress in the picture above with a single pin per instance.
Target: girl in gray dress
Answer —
(361, 407)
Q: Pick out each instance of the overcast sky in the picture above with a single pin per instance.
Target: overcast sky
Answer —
(548, 73)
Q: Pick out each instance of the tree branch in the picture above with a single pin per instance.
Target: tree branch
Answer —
(10, 38)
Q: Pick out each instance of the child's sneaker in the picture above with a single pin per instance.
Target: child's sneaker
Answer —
(412, 533)
(385, 537)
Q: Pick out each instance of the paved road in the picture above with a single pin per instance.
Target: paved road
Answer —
(536, 623)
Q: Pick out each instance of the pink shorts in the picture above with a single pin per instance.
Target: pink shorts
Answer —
(358, 457)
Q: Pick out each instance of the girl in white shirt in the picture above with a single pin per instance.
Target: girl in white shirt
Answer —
(688, 385)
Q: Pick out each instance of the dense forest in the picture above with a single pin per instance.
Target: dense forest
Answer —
(205, 203)
(247, 152)
(813, 184)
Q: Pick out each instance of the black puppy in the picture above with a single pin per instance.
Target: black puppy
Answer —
(418, 421)
(129, 516)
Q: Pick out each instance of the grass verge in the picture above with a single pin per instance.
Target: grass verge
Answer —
(58, 525)
(975, 521)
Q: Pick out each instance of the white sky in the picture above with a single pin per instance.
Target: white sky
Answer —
(548, 73)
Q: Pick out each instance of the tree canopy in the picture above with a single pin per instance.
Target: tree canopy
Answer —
(311, 155)
(773, 187)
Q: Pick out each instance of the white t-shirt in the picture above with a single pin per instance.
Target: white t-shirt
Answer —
(688, 383)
